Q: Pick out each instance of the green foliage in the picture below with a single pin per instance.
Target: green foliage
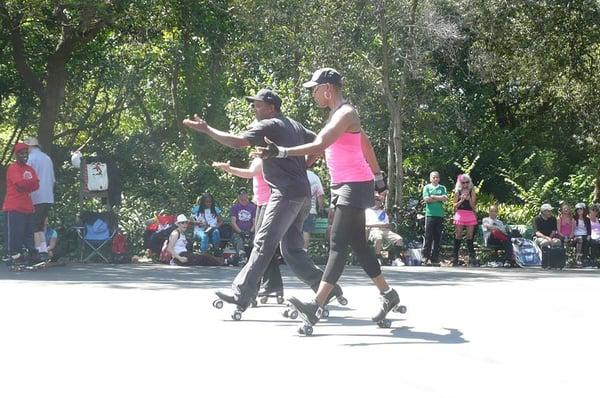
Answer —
(505, 91)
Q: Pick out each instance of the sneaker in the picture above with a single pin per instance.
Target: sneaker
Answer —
(398, 263)
(43, 256)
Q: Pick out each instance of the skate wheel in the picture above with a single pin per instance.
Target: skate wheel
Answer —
(325, 314)
(384, 324)
(280, 300)
(401, 309)
(236, 316)
(342, 300)
(308, 330)
(264, 299)
(218, 304)
(294, 314)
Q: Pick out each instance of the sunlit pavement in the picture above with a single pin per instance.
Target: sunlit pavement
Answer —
(150, 330)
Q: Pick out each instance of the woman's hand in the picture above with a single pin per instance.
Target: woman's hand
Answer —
(270, 151)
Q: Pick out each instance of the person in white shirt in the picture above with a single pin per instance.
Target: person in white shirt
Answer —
(378, 226)
(43, 198)
(316, 200)
(495, 233)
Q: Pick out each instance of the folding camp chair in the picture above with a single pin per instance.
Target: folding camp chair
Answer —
(95, 232)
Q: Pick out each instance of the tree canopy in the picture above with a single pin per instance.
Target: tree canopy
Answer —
(506, 90)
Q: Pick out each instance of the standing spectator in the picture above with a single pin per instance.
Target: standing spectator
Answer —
(43, 197)
(316, 199)
(595, 227)
(207, 219)
(243, 216)
(496, 234)
(21, 180)
(464, 217)
(545, 228)
(582, 232)
(379, 229)
(565, 225)
(434, 196)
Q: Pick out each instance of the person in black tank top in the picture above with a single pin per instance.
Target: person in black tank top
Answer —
(464, 218)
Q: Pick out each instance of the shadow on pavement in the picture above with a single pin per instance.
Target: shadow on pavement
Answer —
(159, 276)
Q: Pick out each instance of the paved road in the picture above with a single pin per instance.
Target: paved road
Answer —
(150, 330)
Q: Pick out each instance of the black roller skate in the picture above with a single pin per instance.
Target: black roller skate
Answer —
(265, 293)
(309, 312)
(230, 299)
(389, 302)
(338, 294)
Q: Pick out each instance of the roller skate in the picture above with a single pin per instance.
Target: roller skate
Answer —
(309, 312)
(15, 262)
(338, 294)
(264, 294)
(389, 302)
(230, 299)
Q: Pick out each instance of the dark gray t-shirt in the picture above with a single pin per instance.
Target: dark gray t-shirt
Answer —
(287, 175)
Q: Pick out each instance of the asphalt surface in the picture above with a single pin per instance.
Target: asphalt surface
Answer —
(150, 330)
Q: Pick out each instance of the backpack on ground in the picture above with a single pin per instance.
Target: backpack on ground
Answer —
(527, 253)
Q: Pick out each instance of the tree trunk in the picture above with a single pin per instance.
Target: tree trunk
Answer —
(397, 125)
(50, 101)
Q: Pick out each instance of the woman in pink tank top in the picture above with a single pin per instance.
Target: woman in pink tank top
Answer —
(272, 284)
(355, 173)
(565, 223)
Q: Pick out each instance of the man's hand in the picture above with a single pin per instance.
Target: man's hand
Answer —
(380, 184)
(270, 151)
(196, 123)
(223, 166)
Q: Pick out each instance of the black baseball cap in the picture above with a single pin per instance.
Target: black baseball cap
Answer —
(266, 95)
(324, 75)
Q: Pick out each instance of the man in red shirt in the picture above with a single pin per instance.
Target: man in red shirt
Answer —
(21, 180)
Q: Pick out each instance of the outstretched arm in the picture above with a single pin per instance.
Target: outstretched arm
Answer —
(222, 137)
(254, 169)
(343, 119)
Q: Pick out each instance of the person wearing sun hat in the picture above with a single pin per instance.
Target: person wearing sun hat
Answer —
(21, 180)
(544, 226)
(43, 197)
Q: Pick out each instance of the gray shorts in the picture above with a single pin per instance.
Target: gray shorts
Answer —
(353, 194)
(39, 216)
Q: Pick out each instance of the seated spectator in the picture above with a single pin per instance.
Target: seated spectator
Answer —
(177, 248)
(582, 232)
(207, 220)
(51, 240)
(545, 228)
(565, 224)
(495, 233)
(243, 216)
(378, 225)
(595, 230)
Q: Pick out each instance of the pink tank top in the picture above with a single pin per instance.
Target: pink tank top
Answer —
(565, 228)
(261, 190)
(346, 161)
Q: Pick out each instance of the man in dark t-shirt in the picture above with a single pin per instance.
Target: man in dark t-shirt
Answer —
(544, 226)
(290, 196)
